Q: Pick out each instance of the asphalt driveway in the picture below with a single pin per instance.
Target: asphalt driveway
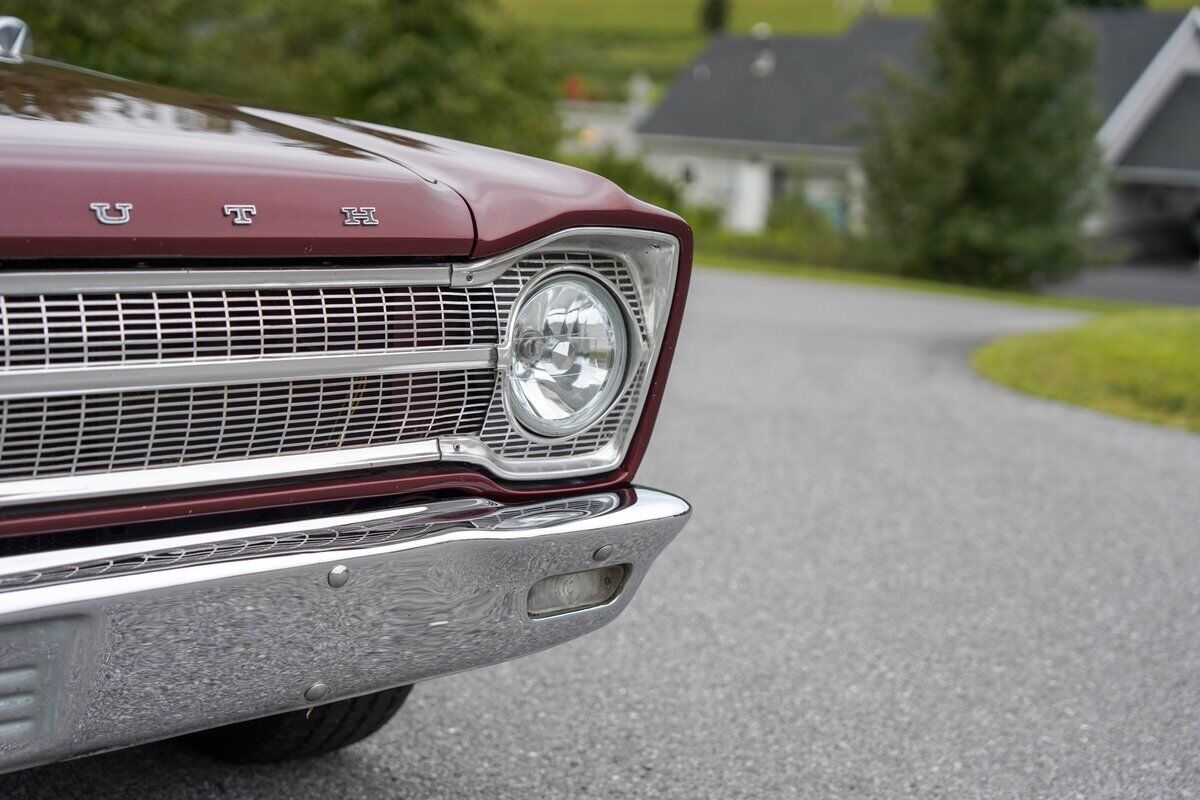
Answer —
(1175, 284)
(900, 581)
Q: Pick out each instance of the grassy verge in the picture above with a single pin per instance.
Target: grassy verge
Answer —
(1140, 364)
(724, 261)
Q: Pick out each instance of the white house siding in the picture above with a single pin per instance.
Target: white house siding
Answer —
(1149, 219)
(744, 183)
(751, 203)
(592, 127)
(707, 179)
(738, 185)
(828, 196)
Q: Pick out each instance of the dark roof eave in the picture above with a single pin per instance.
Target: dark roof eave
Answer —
(1157, 176)
(848, 152)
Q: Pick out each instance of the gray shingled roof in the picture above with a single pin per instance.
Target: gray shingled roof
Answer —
(1172, 139)
(813, 95)
(1128, 39)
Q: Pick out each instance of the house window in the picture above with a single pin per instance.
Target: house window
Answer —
(780, 181)
(827, 197)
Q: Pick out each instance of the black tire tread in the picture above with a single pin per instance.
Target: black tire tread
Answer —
(302, 734)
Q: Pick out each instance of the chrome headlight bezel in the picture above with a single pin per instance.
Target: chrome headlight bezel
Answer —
(535, 429)
(640, 267)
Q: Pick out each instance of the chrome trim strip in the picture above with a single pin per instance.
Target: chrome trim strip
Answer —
(470, 450)
(480, 273)
(118, 377)
(197, 279)
(346, 532)
(132, 482)
(120, 660)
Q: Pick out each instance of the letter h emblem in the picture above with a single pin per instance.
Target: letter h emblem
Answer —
(362, 215)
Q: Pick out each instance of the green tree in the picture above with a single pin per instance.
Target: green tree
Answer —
(457, 68)
(714, 15)
(1110, 3)
(982, 167)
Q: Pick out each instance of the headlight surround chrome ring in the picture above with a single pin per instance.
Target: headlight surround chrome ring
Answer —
(568, 355)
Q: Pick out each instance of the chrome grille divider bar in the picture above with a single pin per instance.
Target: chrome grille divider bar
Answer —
(110, 378)
(74, 282)
(138, 481)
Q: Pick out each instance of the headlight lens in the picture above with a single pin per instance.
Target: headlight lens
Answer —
(569, 351)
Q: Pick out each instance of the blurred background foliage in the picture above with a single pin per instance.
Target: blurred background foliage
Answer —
(982, 166)
(458, 68)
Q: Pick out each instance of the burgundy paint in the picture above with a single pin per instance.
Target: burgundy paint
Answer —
(513, 199)
(70, 138)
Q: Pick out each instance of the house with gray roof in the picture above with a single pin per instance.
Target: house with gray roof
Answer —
(752, 119)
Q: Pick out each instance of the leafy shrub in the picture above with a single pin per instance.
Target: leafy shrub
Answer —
(982, 167)
(460, 69)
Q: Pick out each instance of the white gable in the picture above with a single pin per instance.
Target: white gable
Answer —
(1180, 56)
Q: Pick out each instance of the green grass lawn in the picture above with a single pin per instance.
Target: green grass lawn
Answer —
(605, 42)
(1139, 364)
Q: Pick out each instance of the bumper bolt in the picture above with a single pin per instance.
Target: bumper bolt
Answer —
(318, 691)
(602, 553)
(339, 576)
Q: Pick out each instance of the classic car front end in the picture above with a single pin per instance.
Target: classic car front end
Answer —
(295, 411)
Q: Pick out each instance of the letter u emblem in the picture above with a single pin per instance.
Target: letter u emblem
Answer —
(103, 214)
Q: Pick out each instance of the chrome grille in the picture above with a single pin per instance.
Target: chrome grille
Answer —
(173, 378)
(500, 436)
(506, 288)
(38, 331)
(73, 435)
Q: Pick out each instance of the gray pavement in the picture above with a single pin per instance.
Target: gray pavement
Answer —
(900, 581)
(1173, 284)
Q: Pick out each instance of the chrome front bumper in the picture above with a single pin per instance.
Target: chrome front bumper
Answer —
(115, 645)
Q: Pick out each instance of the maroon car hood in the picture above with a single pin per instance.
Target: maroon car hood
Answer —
(514, 198)
(70, 138)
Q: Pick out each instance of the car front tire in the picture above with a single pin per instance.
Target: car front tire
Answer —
(305, 733)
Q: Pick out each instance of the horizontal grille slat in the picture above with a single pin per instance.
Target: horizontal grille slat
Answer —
(41, 331)
(61, 436)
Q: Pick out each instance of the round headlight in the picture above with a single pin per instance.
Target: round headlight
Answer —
(569, 349)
